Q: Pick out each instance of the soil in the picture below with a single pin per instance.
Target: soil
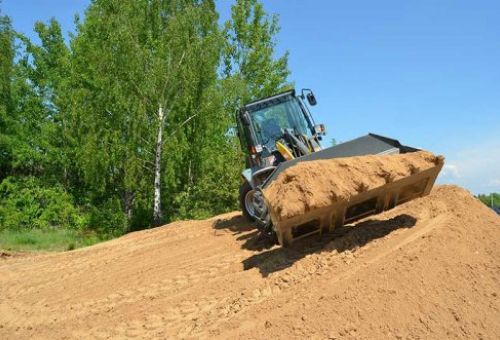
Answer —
(316, 184)
(427, 269)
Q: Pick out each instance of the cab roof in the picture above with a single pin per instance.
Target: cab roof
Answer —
(267, 101)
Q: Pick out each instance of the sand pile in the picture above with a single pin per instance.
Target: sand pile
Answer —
(317, 184)
(427, 269)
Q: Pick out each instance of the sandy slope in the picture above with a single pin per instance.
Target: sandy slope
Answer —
(426, 269)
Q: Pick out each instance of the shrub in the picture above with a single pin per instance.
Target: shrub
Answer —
(25, 203)
(107, 218)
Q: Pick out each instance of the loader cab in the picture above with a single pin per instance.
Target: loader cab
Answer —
(273, 130)
(264, 122)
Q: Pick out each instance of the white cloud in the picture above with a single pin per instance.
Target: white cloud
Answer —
(450, 171)
(475, 168)
(495, 181)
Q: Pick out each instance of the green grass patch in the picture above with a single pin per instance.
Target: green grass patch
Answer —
(46, 240)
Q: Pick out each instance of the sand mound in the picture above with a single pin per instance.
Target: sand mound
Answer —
(428, 269)
(317, 184)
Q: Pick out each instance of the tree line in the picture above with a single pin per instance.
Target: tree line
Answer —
(492, 200)
(128, 123)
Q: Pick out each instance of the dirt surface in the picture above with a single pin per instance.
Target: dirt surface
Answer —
(428, 269)
(317, 184)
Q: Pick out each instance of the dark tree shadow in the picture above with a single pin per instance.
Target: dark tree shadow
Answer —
(348, 237)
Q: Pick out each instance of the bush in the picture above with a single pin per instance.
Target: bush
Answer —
(27, 204)
(107, 218)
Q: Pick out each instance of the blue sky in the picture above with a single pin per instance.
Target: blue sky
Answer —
(424, 72)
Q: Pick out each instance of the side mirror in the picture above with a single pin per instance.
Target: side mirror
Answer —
(320, 129)
(311, 99)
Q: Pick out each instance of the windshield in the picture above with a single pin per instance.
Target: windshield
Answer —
(269, 122)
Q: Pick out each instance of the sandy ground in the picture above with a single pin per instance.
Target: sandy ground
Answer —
(428, 269)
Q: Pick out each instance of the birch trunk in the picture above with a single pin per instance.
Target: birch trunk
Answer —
(157, 213)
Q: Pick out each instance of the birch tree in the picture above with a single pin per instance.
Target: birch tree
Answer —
(131, 121)
(142, 69)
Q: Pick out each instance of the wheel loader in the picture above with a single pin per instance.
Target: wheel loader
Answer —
(278, 132)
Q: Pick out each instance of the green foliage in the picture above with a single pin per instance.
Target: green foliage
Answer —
(107, 218)
(249, 63)
(491, 200)
(7, 51)
(26, 203)
(79, 121)
(6, 64)
(130, 62)
(46, 240)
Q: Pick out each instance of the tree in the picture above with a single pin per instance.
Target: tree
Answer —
(249, 70)
(491, 200)
(131, 123)
(47, 68)
(7, 53)
(146, 65)
(249, 63)
(31, 193)
(7, 47)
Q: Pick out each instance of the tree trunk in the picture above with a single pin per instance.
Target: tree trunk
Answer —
(157, 213)
(128, 201)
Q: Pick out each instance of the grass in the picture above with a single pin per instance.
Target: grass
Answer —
(45, 240)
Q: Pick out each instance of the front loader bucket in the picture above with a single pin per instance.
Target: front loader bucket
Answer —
(373, 201)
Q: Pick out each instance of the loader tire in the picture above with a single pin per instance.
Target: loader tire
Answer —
(246, 194)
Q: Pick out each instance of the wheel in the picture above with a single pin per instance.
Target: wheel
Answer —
(246, 201)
